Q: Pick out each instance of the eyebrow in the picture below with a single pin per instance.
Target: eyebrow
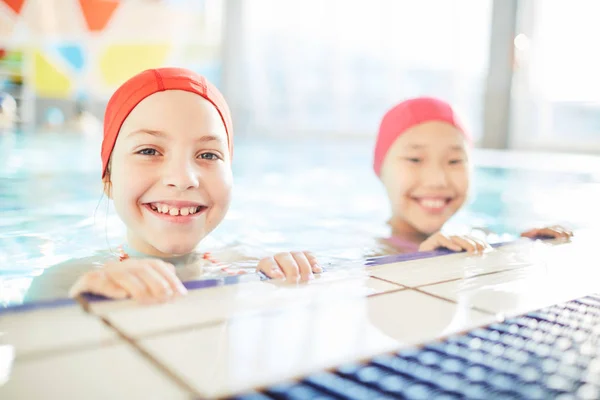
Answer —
(158, 133)
(422, 146)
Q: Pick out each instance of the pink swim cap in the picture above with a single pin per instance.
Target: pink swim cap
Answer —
(407, 114)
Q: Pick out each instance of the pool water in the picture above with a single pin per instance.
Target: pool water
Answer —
(303, 194)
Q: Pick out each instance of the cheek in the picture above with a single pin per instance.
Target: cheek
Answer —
(400, 182)
(126, 190)
(219, 187)
(461, 180)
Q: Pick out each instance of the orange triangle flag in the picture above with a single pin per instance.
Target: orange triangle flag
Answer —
(15, 5)
(97, 13)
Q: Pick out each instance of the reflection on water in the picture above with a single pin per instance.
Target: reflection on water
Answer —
(305, 195)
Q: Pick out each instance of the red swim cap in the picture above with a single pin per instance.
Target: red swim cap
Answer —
(407, 114)
(151, 81)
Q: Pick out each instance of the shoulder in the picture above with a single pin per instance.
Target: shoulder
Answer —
(55, 281)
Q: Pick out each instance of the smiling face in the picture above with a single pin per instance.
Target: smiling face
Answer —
(426, 176)
(170, 174)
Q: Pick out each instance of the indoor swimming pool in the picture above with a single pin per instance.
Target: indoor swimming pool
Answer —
(518, 322)
(306, 194)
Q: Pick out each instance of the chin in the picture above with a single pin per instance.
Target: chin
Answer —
(176, 249)
(429, 229)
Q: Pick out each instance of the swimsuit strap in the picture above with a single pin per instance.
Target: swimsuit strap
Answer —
(124, 256)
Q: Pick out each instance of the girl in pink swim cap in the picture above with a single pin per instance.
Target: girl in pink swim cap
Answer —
(422, 157)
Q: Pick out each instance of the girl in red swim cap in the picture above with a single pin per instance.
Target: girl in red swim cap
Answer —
(166, 164)
(422, 159)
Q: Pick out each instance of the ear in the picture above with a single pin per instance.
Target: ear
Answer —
(107, 187)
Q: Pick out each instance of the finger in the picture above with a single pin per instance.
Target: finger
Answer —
(128, 281)
(530, 233)
(464, 243)
(568, 232)
(288, 265)
(564, 232)
(480, 245)
(314, 263)
(436, 241)
(554, 233)
(97, 283)
(303, 265)
(269, 267)
(426, 246)
(156, 285)
(448, 243)
(550, 233)
(167, 271)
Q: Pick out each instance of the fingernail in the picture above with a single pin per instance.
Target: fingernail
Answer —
(317, 268)
(181, 289)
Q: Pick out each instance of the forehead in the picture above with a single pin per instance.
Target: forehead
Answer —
(432, 135)
(174, 112)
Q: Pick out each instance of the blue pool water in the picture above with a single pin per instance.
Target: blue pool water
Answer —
(288, 195)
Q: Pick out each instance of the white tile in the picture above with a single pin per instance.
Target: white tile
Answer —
(412, 317)
(108, 372)
(257, 350)
(457, 266)
(46, 329)
(559, 275)
(250, 351)
(223, 302)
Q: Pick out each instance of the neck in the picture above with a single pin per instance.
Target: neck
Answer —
(144, 248)
(401, 228)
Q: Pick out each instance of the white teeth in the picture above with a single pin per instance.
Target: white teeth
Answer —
(166, 209)
(433, 203)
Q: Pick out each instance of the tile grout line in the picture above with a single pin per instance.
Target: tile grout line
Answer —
(447, 280)
(144, 353)
(417, 289)
(40, 354)
(181, 329)
(388, 281)
(399, 289)
(481, 310)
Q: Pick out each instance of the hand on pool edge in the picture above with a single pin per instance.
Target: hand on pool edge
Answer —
(550, 232)
(293, 266)
(144, 280)
(455, 243)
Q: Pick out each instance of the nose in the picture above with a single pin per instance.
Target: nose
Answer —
(181, 174)
(435, 175)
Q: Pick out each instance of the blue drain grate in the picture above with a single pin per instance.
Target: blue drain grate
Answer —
(552, 353)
